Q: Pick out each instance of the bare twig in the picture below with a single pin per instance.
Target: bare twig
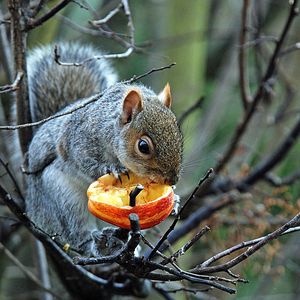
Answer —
(187, 246)
(204, 213)
(259, 40)
(84, 103)
(295, 222)
(12, 87)
(125, 54)
(58, 115)
(18, 36)
(171, 228)
(244, 88)
(54, 10)
(241, 246)
(130, 22)
(154, 70)
(12, 178)
(108, 16)
(290, 49)
(277, 181)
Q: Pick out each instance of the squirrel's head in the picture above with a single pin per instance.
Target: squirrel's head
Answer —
(152, 142)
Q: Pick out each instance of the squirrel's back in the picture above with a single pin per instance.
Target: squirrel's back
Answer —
(53, 86)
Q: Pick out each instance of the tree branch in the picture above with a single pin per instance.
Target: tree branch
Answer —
(244, 88)
(242, 126)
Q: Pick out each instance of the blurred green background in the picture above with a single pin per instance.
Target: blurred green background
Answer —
(202, 37)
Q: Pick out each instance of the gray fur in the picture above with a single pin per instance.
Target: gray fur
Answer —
(68, 153)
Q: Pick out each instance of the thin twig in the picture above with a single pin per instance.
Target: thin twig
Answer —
(241, 246)
(54, 10)
(187, 246)
(277, 181)
(244, 87)
(12, 87)
(136, 78)
(124, 54)
(171, 228)
(295, 222)
(12, 178)
(84, 103)
(108, 16)
(290, 49)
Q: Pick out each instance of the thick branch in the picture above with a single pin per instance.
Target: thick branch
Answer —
(18, 36)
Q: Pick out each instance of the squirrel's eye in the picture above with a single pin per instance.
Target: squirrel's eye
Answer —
(144, 146)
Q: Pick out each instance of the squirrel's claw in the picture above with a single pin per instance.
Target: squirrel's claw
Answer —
(127, 174)
(117, 171)
(119, 177)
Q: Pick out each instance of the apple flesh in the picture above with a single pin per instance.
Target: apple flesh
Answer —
(108, 200)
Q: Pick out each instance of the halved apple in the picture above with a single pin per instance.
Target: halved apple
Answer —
(108, 200)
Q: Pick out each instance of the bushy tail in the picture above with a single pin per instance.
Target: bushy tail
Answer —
(52, 86)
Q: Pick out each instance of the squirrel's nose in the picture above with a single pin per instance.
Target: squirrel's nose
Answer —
(172, 179)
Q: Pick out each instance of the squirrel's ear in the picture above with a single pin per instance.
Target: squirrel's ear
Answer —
(165, 96)
(132, 104)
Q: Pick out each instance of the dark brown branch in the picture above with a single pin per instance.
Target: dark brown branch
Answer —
(17, 10)
(78, 278)
(242, 126)
(244, 88)
(54, 10)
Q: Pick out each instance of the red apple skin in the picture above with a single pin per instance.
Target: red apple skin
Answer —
(150, 214)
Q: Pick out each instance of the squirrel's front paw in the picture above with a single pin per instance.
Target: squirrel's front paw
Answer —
(104, 242)
(117, 171)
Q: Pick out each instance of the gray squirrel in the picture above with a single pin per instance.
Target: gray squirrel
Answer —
(129, 128)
